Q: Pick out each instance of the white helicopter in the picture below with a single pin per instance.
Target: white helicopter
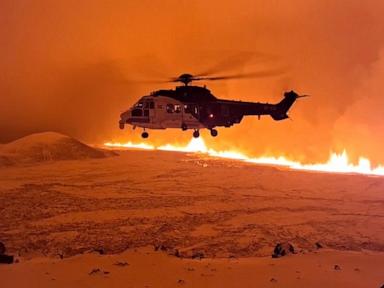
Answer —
(194, 107)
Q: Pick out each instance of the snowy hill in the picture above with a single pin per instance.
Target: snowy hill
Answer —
(47, 146)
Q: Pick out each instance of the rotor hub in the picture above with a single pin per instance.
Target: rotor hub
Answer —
(185, 78)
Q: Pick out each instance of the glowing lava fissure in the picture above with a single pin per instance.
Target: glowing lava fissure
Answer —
(337, 163)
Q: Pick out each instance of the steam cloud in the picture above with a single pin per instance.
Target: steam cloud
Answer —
(67, 67)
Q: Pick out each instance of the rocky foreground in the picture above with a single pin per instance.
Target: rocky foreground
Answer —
(146, 268)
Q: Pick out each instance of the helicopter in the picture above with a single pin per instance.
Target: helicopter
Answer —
(195, 107)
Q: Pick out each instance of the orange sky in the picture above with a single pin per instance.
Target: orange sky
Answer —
(66, 66)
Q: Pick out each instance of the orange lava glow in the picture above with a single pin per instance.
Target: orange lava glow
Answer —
(337, 163)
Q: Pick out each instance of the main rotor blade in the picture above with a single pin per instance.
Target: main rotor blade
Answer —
(259, 74)
(146, 81)
(234, 62)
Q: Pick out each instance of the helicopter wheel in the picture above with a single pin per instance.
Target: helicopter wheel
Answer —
(196, 134)
(184, 127)
(121, 125)
(214, 132)
(144, 135)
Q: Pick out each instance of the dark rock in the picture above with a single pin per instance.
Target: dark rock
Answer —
(95, 271)
(98, 271)
(168, 249)
(191, 253)
(283, 249)
(273, 280)
(197, 255)
(337, 267)
(101, 251)
(121, 264)
(2, 248)
(175, 252)
(161, 247)
(6, 259)
(181, 282)
(318, 245)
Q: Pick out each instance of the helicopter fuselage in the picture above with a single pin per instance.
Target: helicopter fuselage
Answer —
(194, 107)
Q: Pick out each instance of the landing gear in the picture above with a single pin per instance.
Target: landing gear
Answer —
(121, 125)
(144, 135)
(184, 127)
(196, 134)
(214, 132)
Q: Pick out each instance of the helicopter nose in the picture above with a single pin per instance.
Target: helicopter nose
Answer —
(125, 117)
(124, 114)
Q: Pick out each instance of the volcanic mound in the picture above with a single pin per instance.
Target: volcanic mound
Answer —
(47, 146)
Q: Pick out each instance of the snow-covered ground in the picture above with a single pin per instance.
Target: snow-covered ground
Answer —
(190, 205)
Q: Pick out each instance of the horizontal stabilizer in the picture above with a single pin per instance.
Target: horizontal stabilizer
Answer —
(279, 116)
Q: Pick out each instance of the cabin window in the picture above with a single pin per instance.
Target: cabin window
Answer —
(188, 108)
(137, 112)
(146, 113)
(177, 108)
(151, 105)
(170, 108)
(191, 109)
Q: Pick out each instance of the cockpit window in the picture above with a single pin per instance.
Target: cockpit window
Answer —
(139, 105)
(137, 112)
